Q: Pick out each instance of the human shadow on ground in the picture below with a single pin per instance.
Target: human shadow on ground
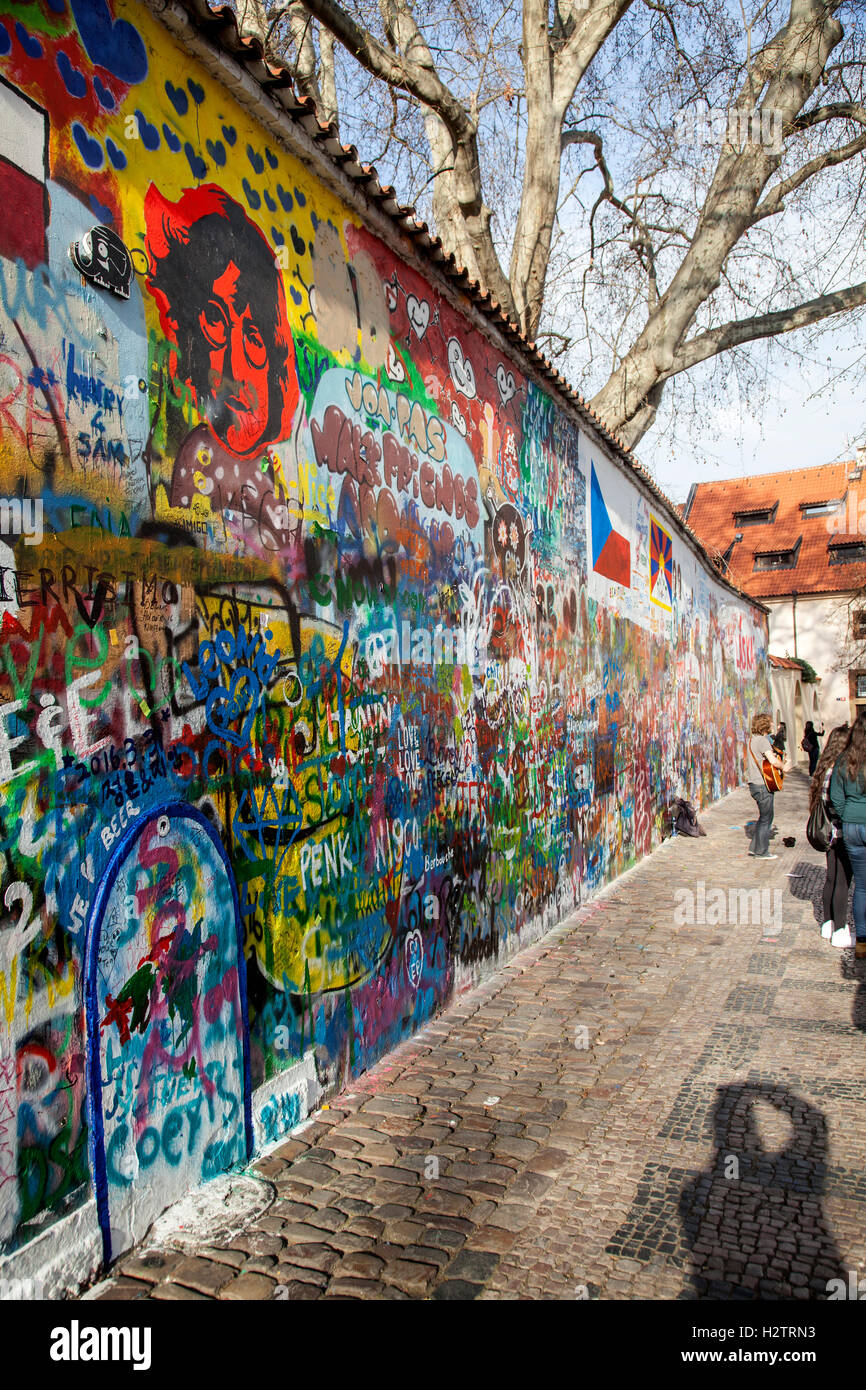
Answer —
(754, 1222)
(806, 883)
(854, 970)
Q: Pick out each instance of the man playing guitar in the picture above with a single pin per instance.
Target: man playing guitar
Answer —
(764, 773)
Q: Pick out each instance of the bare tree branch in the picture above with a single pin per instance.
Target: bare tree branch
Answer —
(730, 335)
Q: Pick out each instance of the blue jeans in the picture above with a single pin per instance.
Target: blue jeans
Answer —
(855, 843)
(761, 834)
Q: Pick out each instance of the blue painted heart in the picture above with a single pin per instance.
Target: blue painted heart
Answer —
(229, 134)
(106, 98)
(74, 81)
(269, 202)
(114, 44)
(240, 701)
(196, 163)
(271, 158)
(117, 157)
(285, 198)
(217, 151)
(149, 133)
(195, 91)
(32, 47)
(178, 98)
(255, 159)
(91, 150)
(172, 140)
(251, 195)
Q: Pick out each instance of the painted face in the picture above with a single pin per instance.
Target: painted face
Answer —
(238, 365)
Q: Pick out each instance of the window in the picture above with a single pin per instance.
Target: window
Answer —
(861, 687)
(820, 508)
(756, 516)
(847, 552)
(777, 559)
(858, 624)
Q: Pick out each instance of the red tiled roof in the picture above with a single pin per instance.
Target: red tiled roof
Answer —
(785, 662)
(710, 512)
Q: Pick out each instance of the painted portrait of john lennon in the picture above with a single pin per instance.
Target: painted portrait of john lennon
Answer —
(221, 305)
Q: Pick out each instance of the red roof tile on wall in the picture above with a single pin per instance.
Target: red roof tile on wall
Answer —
(711, 515)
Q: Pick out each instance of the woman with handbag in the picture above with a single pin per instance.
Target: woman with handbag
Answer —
(848, 795)
(824, 831)
(764, 768)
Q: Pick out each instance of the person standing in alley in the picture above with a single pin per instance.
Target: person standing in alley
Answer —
(810, 745)
(759, 750)
(838, 880)
(848, 795)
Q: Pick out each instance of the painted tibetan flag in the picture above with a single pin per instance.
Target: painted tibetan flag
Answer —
(661, 565)
(611, 552)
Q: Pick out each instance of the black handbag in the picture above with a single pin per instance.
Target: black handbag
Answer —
(819, 828)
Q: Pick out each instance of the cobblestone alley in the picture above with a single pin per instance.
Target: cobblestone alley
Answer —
(632, 1108)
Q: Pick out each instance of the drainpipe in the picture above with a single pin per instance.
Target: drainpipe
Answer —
(794, 615)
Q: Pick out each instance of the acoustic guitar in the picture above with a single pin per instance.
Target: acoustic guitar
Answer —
(773, 776)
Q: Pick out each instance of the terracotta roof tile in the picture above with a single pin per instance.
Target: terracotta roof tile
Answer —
(712, 506)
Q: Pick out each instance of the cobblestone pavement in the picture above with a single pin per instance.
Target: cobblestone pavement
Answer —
(704, 1137)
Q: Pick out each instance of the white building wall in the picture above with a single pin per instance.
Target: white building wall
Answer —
(822, 632)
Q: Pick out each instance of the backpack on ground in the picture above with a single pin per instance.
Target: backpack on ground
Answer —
(686, 819)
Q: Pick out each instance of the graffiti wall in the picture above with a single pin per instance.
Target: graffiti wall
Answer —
(337, 659)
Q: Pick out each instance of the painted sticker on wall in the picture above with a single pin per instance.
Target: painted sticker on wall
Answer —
(611, 552)
(661, 565)
(168, 1085)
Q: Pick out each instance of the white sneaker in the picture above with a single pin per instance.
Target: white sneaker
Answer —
(827, 930)
(842, 938)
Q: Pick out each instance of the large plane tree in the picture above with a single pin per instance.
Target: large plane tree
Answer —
(643, 185)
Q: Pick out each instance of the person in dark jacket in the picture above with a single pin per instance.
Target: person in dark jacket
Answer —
(848, 795)
(810, 745)
(838, 880)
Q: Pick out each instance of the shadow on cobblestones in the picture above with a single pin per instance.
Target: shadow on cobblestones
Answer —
(807, 884)
(856, 970)
(754, 1223)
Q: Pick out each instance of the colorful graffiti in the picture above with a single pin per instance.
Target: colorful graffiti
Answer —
(168, 1079)
(336, 659)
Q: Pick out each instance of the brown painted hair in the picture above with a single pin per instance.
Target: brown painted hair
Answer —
(761, 724)
(833, 749)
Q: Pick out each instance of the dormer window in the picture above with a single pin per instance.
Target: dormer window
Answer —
(820, 508)
(756, 516)
(777, 559)
(847, 552)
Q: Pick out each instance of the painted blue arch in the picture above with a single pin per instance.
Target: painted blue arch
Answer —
(175, 810)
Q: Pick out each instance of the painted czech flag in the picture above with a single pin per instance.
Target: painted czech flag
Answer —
(611, 552)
